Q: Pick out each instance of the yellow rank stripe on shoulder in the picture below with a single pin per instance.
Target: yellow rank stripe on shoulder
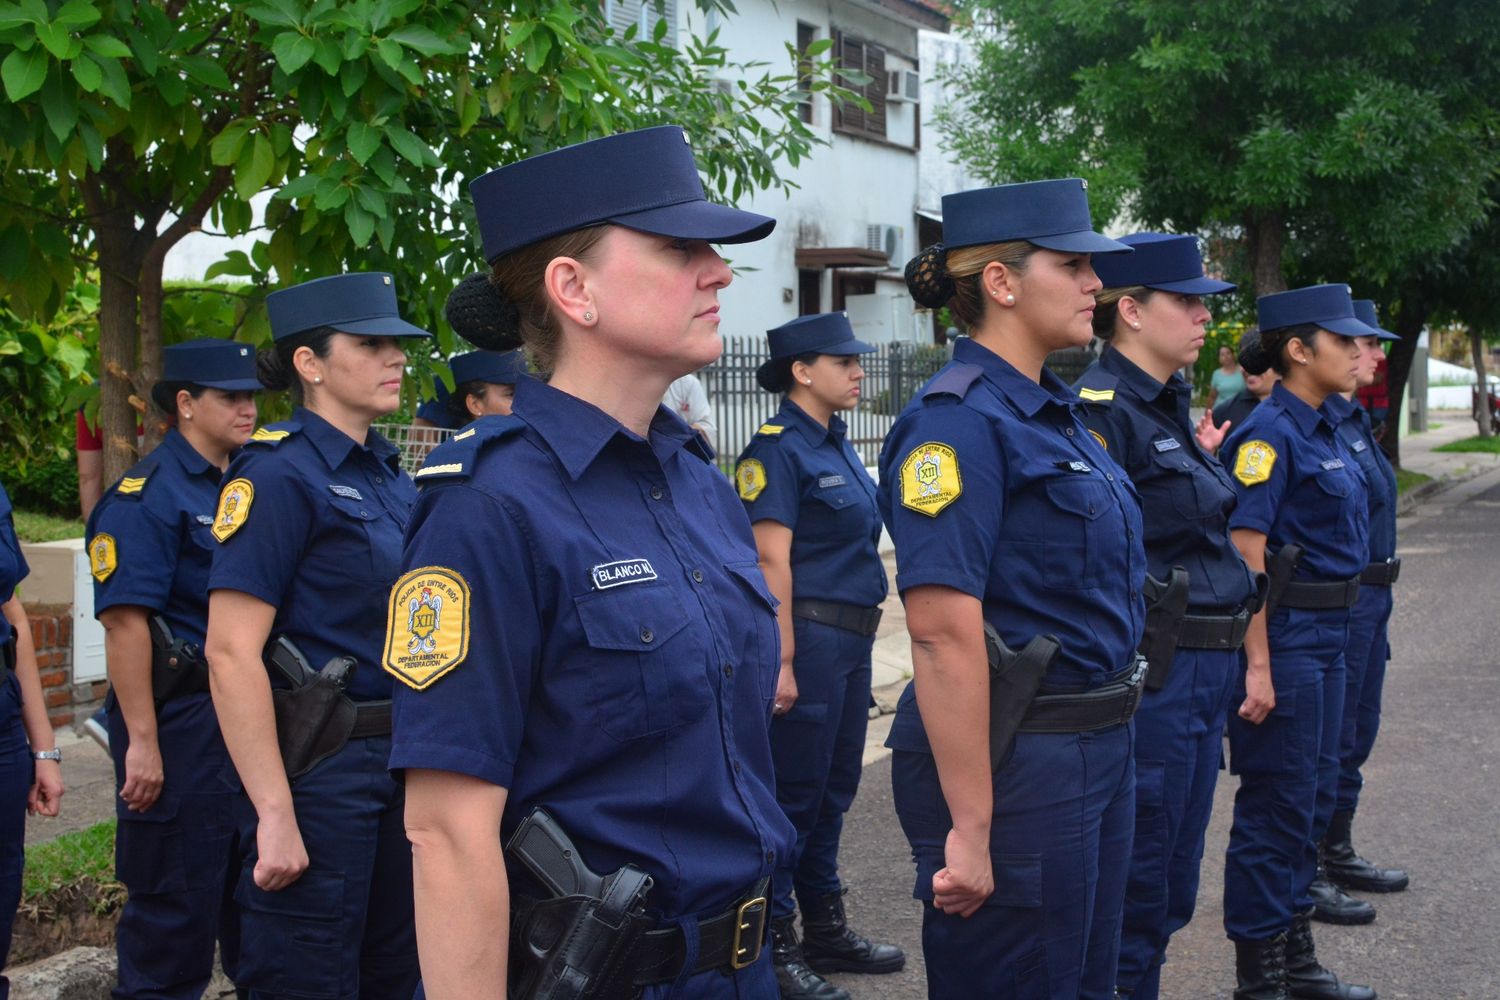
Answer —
(771, 429)
(464, 434)
(930, 479)
(103, 556)
(1253, 462)
(750, 479)
(427, 626)
(1096, 395)
(434, 470)
(266, 434)
(131, 484)
(234, 508)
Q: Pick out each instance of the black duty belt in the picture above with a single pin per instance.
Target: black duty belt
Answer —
(1381, 574)
(1213, 631)
(1320, 596)
(729, 941)
(371, 718)
(8, 648)
(845, 616)
(1111, 704)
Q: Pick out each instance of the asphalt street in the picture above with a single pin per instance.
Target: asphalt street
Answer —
(1431, 801)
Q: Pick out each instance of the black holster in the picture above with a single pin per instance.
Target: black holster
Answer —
(575, 942)
(178, 668)
(314, 719)
(1015, 679)
(1166, 603)
(1279, 570)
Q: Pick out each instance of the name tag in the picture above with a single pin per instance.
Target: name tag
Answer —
(204, 519)
(615, 574)
(1333, 463)
(1074, 466)
(345, 491)
(1358, 446)
(1166, 444)
(826, 481)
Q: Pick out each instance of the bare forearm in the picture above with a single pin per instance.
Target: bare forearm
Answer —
(127, 650)
(242, 699)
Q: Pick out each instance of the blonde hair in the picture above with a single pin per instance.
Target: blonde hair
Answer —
(520, 275)
(1107, 307)
(965, 265)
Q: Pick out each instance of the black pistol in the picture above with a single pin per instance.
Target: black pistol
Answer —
(1015, 679)
(1166, 603)
(1279, 570)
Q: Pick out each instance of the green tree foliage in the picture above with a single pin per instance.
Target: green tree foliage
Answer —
(1322, 140)
(131, 123)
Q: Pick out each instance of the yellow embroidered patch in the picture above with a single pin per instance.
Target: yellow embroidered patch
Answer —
(266, 434)
(750, 479)
(1096, 395)
(1253, 462)
(1100, 438)
(103, 556)
(234, 507)
(930, 479)
(771, 429)
(131, 484)
(427, 626)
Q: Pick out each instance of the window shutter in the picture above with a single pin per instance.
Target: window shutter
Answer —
(875, 91)
(853, 57)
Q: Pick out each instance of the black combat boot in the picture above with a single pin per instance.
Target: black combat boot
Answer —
(1260, 969)
(1343, 866)
(1307, 979)
(1333, 905)
(830, 946)
(793, 977)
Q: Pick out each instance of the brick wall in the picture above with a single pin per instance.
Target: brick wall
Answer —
(68, 704)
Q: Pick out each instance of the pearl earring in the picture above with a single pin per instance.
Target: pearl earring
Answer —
(1010, 300)
(188, 415)
(317, 380)
(1135, 326)
(588, 317)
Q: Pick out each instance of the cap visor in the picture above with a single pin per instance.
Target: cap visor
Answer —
(382, 326)
(1195, 286)
(847, 347)
(233, 384)
(1086, 241)
(1348, 326)
(700, 220)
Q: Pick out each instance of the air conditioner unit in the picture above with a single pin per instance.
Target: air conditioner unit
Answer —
(884, 238)
(905, 86)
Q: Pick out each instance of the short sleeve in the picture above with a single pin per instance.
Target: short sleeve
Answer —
(10, 547)
(947, 498)
(1259, 468)
(262, 524)
(768, 483)
(470, 717)
(145, 552)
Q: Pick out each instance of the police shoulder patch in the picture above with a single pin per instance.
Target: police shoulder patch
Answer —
(427, 626)
(750, 479)
(1254, 461)
(930, 479)
(103, 556)
(234, 507)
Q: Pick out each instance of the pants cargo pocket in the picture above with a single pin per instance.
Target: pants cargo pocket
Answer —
(149, 851)
(291, 941)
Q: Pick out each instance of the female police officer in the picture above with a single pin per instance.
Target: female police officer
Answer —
(150, 551)
(1007, 514)
(1299, 489)
(484, 382)
(1340, 867)
(1152, 316)
(309, 524)
(30, 763)
(584, 629)
(812, 508)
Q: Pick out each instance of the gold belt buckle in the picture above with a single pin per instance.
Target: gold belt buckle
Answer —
(751, 914)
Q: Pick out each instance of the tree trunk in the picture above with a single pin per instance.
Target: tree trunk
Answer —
(1265, 233)
(120, 255)
(1476, 348)
(1410, 319)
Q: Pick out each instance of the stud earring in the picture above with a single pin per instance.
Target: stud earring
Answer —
(1010, 300)
(588, 317)
(317, 380)
(1135, 326)
(188, 415)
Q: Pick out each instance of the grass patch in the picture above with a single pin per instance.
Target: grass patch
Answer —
(1489, 445)
(70, 859)
(1406, 481)
(34, 527)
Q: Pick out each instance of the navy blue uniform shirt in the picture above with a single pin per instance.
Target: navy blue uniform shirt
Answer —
(149, 540)
(1186, 495)
(1354, 430)
(584, 622)
(13, 568)
(808, 477)
(1299, 484)
(310, 521)
(992, 485)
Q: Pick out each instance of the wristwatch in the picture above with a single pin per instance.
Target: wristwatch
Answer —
(54, 754)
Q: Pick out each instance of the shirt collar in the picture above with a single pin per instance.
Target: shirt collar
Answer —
(187, 456)
(335, 446)
(1338, 409)
(1139, 381)
(577, 431)
(816, 432)
(1306, 417)
(1022, 393)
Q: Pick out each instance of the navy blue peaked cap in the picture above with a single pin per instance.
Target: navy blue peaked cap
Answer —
(821, 333)
(1053, 215)
(1364, 311)
(1326, 306)
(351, 303)
(497, 367)
(211, 362)
(1160, 261)
(645, 180)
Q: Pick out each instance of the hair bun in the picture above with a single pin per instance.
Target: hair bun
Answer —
(927, 277)
(481, 315)
(1252, 357)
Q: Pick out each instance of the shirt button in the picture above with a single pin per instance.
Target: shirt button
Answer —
(647, 635)
(656, 493)
(378, 480)
(697, 576)
(1068, 431)
(736, 767)
(1110, 476)
(728, 670)
(1135, 595)
(1091, 508)
(365, 514)
(770, 857)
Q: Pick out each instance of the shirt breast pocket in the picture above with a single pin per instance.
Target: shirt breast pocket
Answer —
(648, 677)
(374, 538)
(1192, 490)
(762, 644)
(1074, 531)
